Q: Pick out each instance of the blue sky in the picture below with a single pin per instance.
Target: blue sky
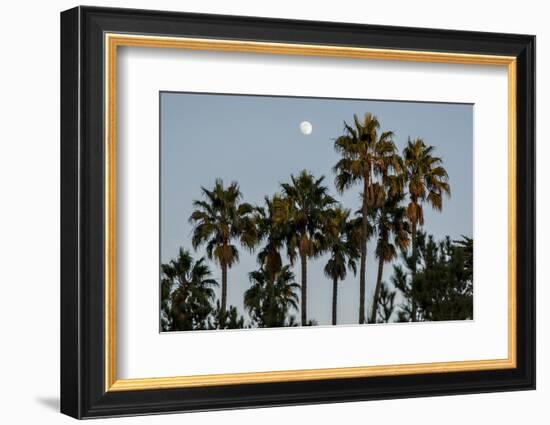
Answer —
(256, 141)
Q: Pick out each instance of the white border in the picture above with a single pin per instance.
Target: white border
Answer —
(143, 352)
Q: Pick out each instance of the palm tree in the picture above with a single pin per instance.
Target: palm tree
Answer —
(271, 297)
(187, 292)
(219, 220)
(390, 222)
(303, 211)
(343, 248)
(272, 232)
(427, 182)
(166, 323)
(366, 156)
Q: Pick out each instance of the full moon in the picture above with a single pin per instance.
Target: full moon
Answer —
(306, 127)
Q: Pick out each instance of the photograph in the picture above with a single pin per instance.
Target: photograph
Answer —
(280, 211)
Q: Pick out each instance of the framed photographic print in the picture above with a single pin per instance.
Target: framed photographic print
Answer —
(261, 212)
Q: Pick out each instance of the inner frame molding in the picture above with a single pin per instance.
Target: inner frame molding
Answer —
(114, 40)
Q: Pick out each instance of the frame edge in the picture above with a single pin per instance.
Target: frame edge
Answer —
(70, 349)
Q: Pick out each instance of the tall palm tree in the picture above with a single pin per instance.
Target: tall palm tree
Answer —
(219, 220)
(272, 232)
(344, 250)
(303, 211)
(366, 155)
(188, 293)
(392, 227)
(271, 297)
(427, 182)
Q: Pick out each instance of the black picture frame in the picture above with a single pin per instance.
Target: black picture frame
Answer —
(83, 392)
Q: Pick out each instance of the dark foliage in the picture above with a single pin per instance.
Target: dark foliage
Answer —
(226, 318)
(186, 293)
(386, 304)
(271, 297)
(442, 288)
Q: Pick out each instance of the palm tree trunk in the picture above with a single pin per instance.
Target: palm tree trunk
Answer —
(303, 259)
(270, 322)
(363, 267)
(362, 272)
(377, 291)
(224, 287)
(413, 274)
(334, 300)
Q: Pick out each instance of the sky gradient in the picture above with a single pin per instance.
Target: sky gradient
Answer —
(256, 141)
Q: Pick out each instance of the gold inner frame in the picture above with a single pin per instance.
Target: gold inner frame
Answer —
(113, 41)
